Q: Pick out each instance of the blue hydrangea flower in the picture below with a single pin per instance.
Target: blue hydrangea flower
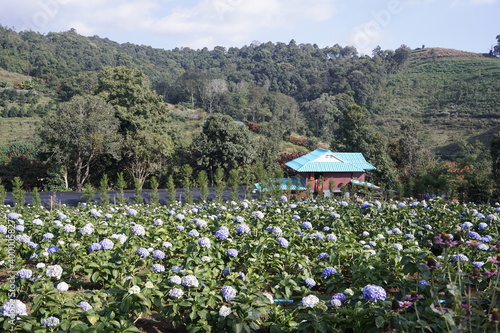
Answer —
(242, 276)
(201, 223)
(310, 282)
(306, 225)
(282, 241)
(482, 226)
(428, 226)
(478, 264)
(48, 235)
(158, 254)
(258, 215)
(295, 217)
(228, 292)
(51, 321)
(232, 252)
(423, 283)
(142, 252)
(243, 229)
(222, 233)
(323, 255)
(474, 235)
(13, 216)
(466, 225)
(52, 249)
(459, 257)
(25, 273)
(397, 246)
(336, 302)
(283, 198)
(226, 271)
(328, 271)
(374, 293)
(335, 215)
(132, 211)
(397, 231)
(409, 236)
(3, 229)
(341, 297)
(95, 247)
(331, 237)
(204, 242)
(158, 268)
(107, 244)
(179, 227)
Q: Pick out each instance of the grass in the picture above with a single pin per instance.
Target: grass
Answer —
(18, 129)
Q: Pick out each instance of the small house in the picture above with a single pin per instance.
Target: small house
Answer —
(338, 171)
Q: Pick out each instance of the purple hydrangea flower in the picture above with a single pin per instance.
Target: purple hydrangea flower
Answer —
(243, 229)
(107, 244)
(204, 242)
(239, 219)
(323, 255)
(180, 227)
(158, 254)
(328, 271)
(374, 293)
(282, 241)
(142, 252)
(25, 273)
(228, 292)
(158, 268)
(341, 297)
(232, 252)
(13, 216)
(14, 308)
(306, 225)
(222, 233)
(95, 247)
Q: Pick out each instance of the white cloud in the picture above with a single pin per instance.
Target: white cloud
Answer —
(366, 36)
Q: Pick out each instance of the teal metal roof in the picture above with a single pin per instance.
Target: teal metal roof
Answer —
(323, 160)
(296, 185)
(358, 182)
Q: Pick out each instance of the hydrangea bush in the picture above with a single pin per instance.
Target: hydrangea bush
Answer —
(279, 266)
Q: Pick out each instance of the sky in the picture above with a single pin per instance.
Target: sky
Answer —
(468, 25)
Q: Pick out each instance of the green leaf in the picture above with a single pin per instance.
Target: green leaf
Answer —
(379, 321)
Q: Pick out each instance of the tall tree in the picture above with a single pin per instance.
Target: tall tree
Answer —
(223, 143)
(144, 120)
(79, 133)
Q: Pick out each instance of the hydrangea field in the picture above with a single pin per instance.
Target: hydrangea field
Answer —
(252, 266)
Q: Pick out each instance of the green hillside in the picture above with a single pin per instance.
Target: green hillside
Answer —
(434, 100)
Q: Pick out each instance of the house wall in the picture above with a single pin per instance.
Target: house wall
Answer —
(341, 178)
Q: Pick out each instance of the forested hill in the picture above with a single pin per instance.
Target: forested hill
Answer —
(452, 94)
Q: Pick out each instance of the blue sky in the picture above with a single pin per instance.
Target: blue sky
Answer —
(468, 25)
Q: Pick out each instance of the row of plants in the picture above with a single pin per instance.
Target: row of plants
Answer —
(266, 266)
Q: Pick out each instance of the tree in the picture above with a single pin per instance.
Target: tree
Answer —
(79, 133)
(223, 143)
(143, 121)
(496, 48)
(495, 156)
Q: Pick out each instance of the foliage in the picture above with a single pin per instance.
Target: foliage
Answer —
(79, 133)
(35, 198)
(223, 144)
(306, 266)
(103, 190)
(32, 172)
(154, 198)
(17, 192)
